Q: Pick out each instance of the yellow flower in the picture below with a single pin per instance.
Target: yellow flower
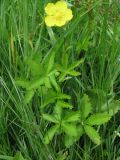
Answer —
(57, 14)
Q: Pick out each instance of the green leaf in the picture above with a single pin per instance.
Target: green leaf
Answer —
(22, 83)
(69, 140)
(58, 112)
(36, 83)
(92, 134)
(50, 62)
(64, 104)
(18, 156)
(35, 67)
(70, 129)
(98, 119)
(47, 82)
(76, 64)
(72, 116)
(62, 96)
(62, 76)
(28, 96)
(85, 106)
(62, 156)
(51, 96)
(50, 133)
(54, 82)
(73, 73)
(111, 107)
(49, 118)
(80, 131)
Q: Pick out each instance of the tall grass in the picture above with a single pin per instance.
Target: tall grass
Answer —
(94, 35)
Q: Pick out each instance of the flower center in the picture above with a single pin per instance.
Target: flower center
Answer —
(59, 17)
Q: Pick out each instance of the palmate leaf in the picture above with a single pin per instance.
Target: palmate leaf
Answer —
(44, 79)
(50, 118)
(51, 96)
(70, 129)
(50, 133)
(66, 69)
(85, 106)
(98, 119)
(72, 116)
(92, 134)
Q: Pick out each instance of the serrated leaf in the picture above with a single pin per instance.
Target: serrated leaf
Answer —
(58, 112)
(62, 96)
(69, 129)
(69, 140)
(47, 102)
(76, 64)
(28, 96)
(51, 96)
(50, 134)
(18, 156)
(54, 82)
(85, 106)
(98, 119)
(34, 84)
(73, 73)
(64, 104)
(49, 118)
(72, 116)
(92, 134)
(62, 77)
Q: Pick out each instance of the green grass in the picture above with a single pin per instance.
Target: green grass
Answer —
(93, 34)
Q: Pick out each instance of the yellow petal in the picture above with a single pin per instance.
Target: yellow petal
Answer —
(68, 15)
(50, 21)
(61, 6)
(60, 23)
(50, 9)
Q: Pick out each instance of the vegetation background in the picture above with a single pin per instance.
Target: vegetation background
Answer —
(93, 34)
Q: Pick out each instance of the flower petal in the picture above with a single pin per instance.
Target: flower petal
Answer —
(50, 21)
(61, 6)
(50, 9)
(68, 15)
(60, 23)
